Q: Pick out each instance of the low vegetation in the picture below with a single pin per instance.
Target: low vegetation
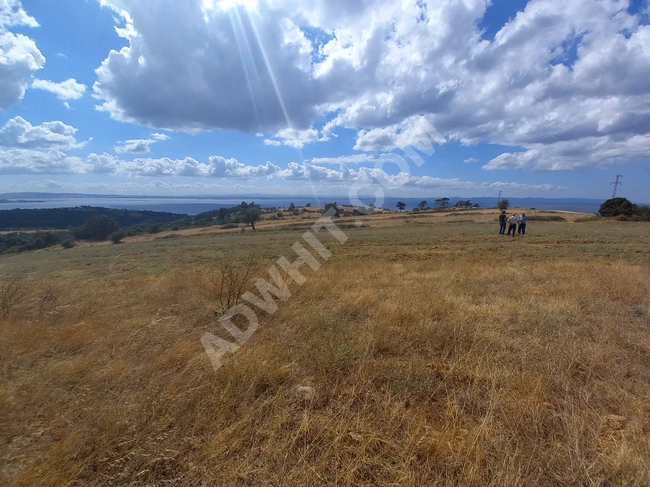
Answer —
(624, 210)
(417, 355)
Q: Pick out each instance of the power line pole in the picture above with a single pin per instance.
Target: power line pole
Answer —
(616, 184)
(500, 192)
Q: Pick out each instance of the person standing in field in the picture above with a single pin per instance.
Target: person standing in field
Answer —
(513, 224)
(523, 219)
(502, 222)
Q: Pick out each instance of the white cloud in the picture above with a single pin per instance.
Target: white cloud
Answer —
(140, 146)
(572, 154)
(380, 67)
(296, 138)
(66, 90)
(378, 178)
(19, 56)
(471, 160)
(21, 161)
(19, 133)
(26, 161)
(363, 158)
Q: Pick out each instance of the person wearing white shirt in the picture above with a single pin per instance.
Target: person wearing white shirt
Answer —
(523, 219)
(512, 224)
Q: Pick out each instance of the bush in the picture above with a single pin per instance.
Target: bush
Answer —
(643, 212)
(117, 236)
(97, 228)
(546, 218)
(617, 206)
(592, 218)
(68, 244)
(228, 226)
(154, 229)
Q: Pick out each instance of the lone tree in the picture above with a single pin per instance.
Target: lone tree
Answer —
(463, 204)
(617, 206)
(442, 203)
(249, 214)
(400, 205)
(327, 206)
(292, 207)
(504, 204)
(422, 204)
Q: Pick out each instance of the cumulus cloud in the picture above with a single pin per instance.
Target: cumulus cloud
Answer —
(19, 133)
(28, 161)
(19, 56)
(139, 146)
(363, 158)
(471, 160)
(375, 177)
(296, 138)
(21, 161)
(66, 90)
(556, 72)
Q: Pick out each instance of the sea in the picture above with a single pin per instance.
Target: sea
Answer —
(193, 206)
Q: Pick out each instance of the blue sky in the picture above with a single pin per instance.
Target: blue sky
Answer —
(540, 98)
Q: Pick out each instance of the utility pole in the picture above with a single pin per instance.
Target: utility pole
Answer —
(616, 184)
(500, 192)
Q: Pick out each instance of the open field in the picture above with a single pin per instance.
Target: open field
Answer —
(426, 351)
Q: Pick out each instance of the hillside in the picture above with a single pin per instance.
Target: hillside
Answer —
(64, 218)
(427, 350)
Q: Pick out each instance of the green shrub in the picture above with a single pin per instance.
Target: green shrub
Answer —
(228, 226)
(117, 236)
(97, 228)
(643, 212)
(68, 244)
(617, 206)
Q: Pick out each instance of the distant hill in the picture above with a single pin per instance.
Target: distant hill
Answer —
(64, 218)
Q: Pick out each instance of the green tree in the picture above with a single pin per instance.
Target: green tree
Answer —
(422, 204)
(337, 212)
(400, 205)
(504, 204)
(617, 206)
(250, 214)
(442, 203)
(308, 205)
(292, 207)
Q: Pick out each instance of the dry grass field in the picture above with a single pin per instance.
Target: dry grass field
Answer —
(427, 351)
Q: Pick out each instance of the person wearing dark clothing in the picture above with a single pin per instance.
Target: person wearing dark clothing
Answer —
(502, 222)
(523, 219)
(513, 224)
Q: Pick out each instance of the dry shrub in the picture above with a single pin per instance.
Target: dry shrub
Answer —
(11, 294)
(226, 284)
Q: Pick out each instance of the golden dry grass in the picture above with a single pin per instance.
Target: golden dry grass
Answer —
(418, 355)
